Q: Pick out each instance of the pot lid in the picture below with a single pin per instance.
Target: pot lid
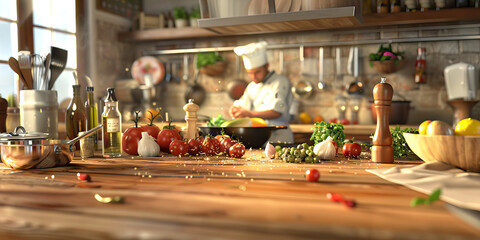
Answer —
(21, 134)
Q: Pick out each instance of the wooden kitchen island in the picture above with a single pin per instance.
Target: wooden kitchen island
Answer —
(216, 198)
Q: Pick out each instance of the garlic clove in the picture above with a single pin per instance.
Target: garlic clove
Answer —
(270, 151)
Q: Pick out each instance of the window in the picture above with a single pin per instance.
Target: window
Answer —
(9, 46)
(53, 25)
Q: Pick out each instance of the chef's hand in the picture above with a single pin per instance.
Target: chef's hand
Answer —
(238, 112)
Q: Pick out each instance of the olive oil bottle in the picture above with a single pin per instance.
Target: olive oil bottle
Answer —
(112, 126)
(75, 116)
(92, 113)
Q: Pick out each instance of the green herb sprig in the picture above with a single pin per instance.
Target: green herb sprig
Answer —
(216, 121)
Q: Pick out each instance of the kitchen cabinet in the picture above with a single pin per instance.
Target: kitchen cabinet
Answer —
(444, 16)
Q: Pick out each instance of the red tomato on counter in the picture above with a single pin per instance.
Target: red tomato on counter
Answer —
(352, 149)
(166, 136)
(152, 130)
(237, 150)
(194, 146)
(131, 137)
(208, 146)
(312, 175)
(178, 147)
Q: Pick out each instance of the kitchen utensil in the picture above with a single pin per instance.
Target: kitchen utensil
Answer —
(15, 66)
(46, 63)
(57, 64)
(461, 81)
(251, 137)
(39, 111)
(303, 88)
(195, 91)
(459, 151)
(321, 83)
(22, 150)
(38, 72)
(185, 67)
(398, 113)
(236, 87)
(356, 87)
(25, 64)
(148, 65)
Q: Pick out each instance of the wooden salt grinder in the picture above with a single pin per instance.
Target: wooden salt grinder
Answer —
(382, 150)
(191, 118)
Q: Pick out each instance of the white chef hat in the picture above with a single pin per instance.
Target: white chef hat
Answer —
(254, 54)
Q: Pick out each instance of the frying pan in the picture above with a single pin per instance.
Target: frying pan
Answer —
(195, 91)
(26, 151)
(236, 87)
(251, 137)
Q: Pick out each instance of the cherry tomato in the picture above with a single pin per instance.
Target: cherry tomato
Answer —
(227, 143)
(178, 147)
(194, 146)
(237, 150)
(152, 130)
(165, 137)
(131, 137)
(218, 147)
(351, 150)
(207, 146)
(335, 144)
(345, 121)
(312, 175)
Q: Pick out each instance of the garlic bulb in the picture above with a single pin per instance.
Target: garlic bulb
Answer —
(147, 146)
(325, 150)
(270, 151)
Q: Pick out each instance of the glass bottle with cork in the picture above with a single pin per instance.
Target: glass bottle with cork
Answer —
(92, 113)
(421, 66)
(112, 126)
(75, 116)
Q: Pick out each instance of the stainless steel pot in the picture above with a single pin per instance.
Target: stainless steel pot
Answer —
(24, 151)
(398, 112)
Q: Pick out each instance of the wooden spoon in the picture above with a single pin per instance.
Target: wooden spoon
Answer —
(13, 63)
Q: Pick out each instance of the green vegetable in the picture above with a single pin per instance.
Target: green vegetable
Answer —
(400, 146)
(380, 55)
(434, 196)
(180, 13)
(207, 58)
(216, 121)
(322, 130)
(195, 12)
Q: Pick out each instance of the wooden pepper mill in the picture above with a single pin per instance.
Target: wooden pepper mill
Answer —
(191, 118)
(382, 150)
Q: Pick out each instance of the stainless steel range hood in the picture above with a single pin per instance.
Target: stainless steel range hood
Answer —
(326, 18)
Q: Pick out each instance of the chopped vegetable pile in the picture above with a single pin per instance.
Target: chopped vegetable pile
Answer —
(322, 130)
(400, 147)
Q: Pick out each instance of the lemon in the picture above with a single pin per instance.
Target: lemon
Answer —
(305, 117)
(422, 128)
(468, 127)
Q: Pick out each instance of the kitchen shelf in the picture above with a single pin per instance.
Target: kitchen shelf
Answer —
(453, 16)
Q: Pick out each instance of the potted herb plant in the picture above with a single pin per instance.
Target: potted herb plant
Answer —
(180, 15)
(194, 16)
(385, 60)
(210, 63)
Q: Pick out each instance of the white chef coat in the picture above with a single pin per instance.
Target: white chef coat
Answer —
(273, 93)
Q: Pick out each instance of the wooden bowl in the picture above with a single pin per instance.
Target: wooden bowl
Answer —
(460, 151)
(388, 66)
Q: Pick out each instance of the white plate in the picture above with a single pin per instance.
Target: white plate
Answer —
(148, 65)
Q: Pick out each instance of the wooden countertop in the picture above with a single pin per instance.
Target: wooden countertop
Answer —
(216, 198)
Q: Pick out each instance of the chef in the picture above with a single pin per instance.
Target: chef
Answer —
(269, 94)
